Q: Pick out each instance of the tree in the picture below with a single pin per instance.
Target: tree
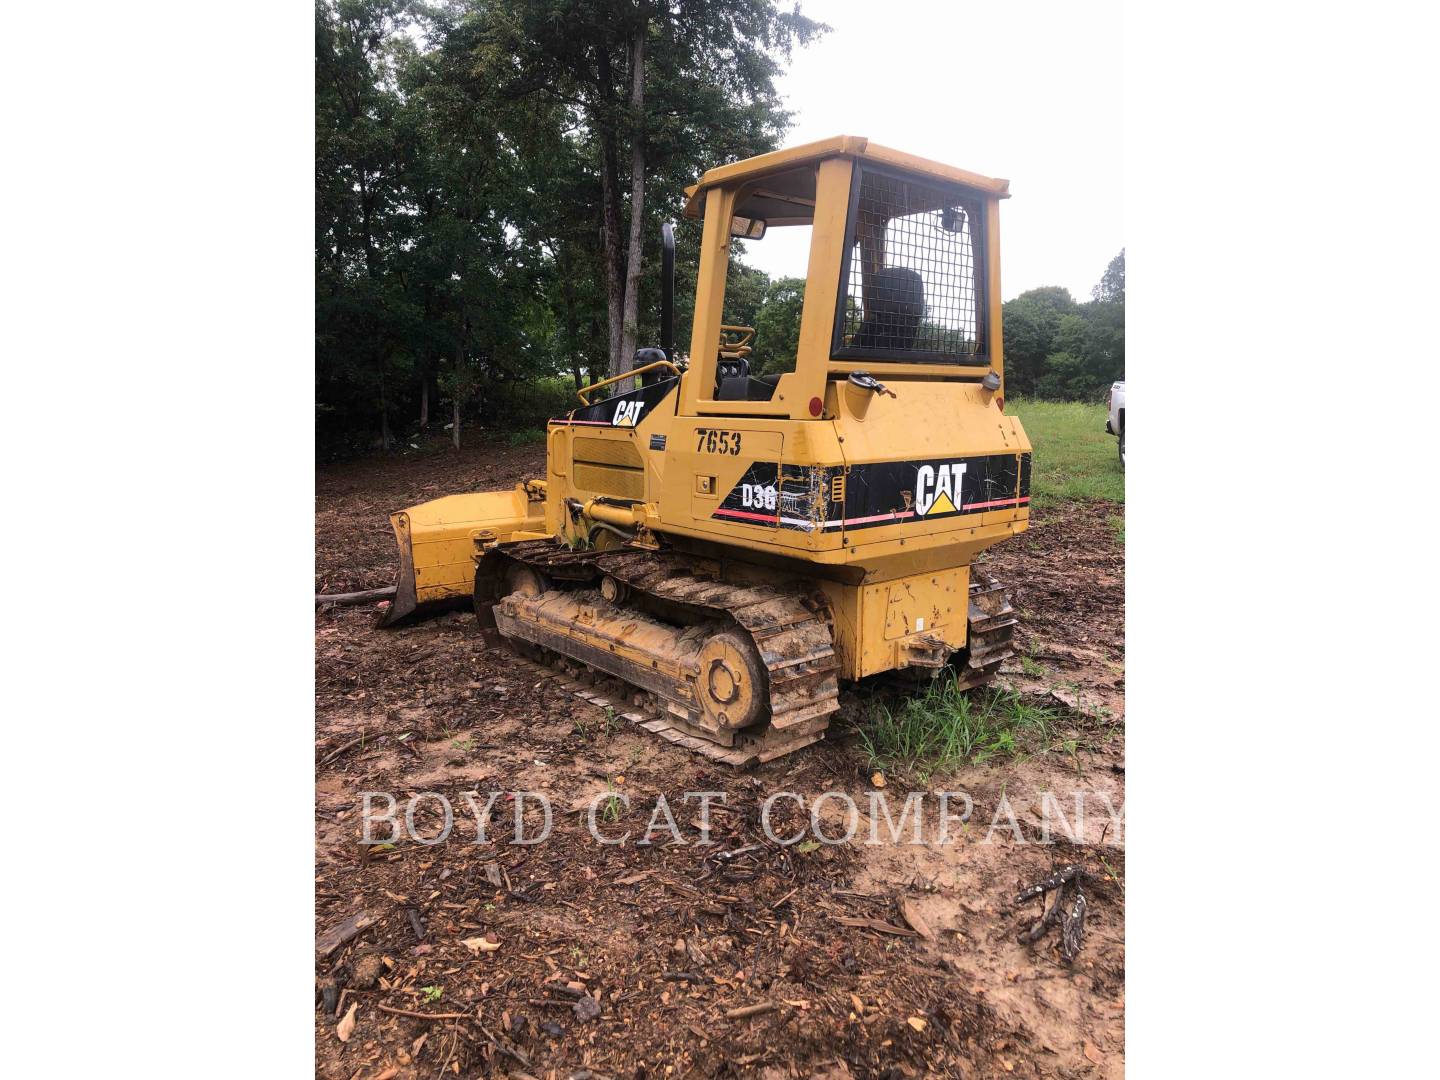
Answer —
(362, 148)
(777, 327)
(1063, 378)
(678, 86)
(1056, 348)
(745, 289)
(476, 161)
(1031, 322)
(1112, 285)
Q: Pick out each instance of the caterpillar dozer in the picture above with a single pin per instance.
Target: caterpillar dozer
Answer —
(738, 544)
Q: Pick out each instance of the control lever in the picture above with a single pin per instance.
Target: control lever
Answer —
(865, 381)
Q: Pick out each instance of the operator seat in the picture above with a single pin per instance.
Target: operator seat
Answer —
(733, 381)
(748, 388)
(732, 371)
(894, 308)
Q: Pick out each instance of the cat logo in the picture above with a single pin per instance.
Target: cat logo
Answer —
(937, 487)
(627, 413)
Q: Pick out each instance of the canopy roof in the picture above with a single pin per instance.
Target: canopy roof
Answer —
(787, 195)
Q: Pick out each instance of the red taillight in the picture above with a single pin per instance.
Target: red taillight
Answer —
(1000, 401)
(816, 406)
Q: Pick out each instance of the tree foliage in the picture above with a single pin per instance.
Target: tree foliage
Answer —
(491, 176)
(1112, 284)
(1059, 349)
(777, 326)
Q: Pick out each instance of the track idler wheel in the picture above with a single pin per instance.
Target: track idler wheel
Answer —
(730, 687)
(525, 580)
(614, 590)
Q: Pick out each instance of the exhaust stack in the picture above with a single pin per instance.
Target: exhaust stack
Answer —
(667, 291)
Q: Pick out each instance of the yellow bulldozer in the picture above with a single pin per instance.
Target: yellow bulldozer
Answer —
(737, 545)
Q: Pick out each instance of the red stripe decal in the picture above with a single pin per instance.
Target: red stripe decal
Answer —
(994, 502)
(892, 516)
(746, 514)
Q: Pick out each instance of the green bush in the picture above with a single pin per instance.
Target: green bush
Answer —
(526, 437)
(526, 406)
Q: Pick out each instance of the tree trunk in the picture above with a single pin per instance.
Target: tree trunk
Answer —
(424, 402)
(630, 325)
(367, 218)
(571, 321)
(459, 381)
(386, 439)
(610, 212)
(372, 270)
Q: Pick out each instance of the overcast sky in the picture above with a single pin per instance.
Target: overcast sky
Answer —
(1028, 90)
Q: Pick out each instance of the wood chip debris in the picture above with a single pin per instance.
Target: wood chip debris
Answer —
(346, 1027)
(910, 909)
(343, 931)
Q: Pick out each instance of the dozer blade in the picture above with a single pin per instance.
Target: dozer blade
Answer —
(439, 541)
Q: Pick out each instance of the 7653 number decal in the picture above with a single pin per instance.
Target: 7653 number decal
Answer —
(715, 441)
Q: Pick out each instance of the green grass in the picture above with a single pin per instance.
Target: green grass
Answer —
(944, 728)
(613, 805)
(1074, 457)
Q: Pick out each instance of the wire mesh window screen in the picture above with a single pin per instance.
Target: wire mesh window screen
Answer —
(913, 283)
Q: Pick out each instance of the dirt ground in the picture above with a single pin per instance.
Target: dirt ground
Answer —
(867, 960)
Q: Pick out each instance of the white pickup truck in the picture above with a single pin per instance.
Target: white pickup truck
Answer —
(1115, 424)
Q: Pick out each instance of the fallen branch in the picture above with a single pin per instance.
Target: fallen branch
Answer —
(365, 596)
(344, 747)
(875, 924)
(1072, 931)
(1053, 881)
(504, 1047)
(423, 1016)
(1067, 909)
(1046, 920)
(751, 1010)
